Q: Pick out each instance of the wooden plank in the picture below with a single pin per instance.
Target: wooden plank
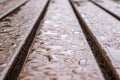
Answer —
(16, 34)
(109, 6)
(60, 50)
(9, 6)
(104, 30)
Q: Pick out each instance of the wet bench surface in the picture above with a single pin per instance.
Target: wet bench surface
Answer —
(106, 30)
(60, 50)
(14, 29)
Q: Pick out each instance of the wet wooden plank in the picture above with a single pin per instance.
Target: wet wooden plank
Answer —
(14, 31)
(60, 50)
(105, 30)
